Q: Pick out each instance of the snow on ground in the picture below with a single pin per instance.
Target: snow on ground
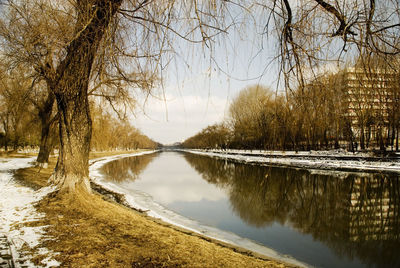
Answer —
(324, 160)
(17, 206)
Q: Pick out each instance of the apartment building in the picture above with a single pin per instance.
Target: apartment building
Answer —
(372, 100)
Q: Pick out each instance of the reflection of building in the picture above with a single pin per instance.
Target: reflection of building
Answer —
(369, 97)
(371, 211)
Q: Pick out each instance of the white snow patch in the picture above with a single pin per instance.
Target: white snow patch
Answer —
(312, 160)
(16, 206)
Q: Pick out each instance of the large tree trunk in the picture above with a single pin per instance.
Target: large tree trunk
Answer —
(75, 128)
(46, 142)
(71, 92)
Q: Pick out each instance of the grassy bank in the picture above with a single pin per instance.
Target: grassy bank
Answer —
(91, 231)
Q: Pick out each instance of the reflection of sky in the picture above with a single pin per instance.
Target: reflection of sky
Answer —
(207, 212)
(168, 184)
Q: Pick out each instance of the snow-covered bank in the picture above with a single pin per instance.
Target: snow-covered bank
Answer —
(145, 202)
(324, 160)
(16, 207)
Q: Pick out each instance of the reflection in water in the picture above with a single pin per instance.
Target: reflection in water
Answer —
(343, 219)
(168, 180)
(356, 215)
(127, 168)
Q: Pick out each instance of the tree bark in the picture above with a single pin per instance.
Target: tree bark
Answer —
(46, 143)
(6, 134)
(362, 137)
(71, 92)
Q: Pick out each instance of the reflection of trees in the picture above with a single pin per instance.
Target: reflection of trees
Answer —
(126, 168)
(216, 172)
(355, 215)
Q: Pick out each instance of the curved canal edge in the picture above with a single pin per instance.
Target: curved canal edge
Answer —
(143, 202)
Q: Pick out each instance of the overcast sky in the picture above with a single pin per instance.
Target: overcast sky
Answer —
(190, 105)
(197, 91)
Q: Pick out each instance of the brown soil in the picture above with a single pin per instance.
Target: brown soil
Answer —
(90, 231)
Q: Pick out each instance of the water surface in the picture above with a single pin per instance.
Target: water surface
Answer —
(324, 219)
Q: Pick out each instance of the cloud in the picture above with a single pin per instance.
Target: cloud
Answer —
(192, 102)
(178, 118)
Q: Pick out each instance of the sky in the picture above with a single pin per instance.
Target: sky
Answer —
(198, 88)
(200, 95)
(200, 83)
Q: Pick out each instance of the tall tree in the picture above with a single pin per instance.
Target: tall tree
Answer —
(248, 117)
(70, 86)
(100, 36)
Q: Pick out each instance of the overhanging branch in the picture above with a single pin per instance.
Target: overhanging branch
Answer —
(344, 27)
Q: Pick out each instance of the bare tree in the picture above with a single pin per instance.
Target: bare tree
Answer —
(315, 33)
(33, 34)
(248, 117)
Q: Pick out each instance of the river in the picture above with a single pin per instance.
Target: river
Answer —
(324, 219)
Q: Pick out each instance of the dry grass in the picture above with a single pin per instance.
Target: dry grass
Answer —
(35, 177)
(94, 155)
(89, 231)
(14, 153)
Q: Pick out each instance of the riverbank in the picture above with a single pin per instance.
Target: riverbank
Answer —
(17, 213)
(93, 231)
(319, 160)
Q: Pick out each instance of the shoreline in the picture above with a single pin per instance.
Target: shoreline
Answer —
(153, 213)
(324, 161)
(114, 235)
(17, 208)
(313, 160)
(144, 203)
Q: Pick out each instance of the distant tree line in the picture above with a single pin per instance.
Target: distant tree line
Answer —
(20, 118)
(20, 125)
(112, 134)
(326, 113)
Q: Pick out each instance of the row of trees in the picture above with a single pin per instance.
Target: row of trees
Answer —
(110, 133)
(16, 112)
(20, 123)
(332, 111)
(257, 119)
(21, 112)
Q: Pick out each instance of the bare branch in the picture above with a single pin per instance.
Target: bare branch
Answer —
(344, 27)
